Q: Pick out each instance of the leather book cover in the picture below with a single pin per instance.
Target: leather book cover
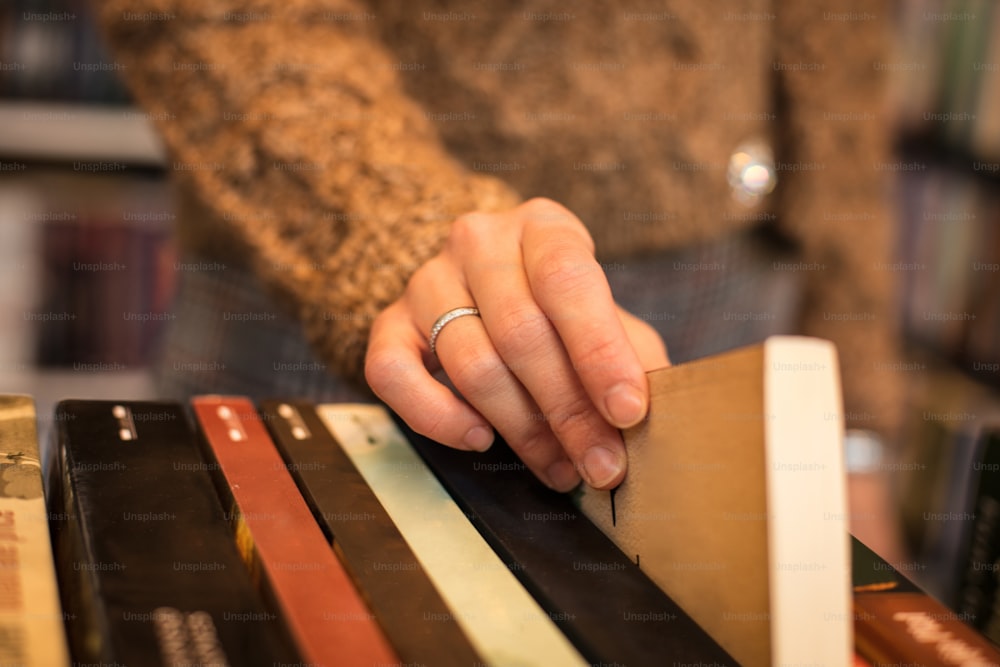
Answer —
(149, 573)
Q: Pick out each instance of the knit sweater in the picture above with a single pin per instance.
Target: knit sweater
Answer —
(329, 144)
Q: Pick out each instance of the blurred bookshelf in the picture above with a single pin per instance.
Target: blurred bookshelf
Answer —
(946, 104)
(86, 212)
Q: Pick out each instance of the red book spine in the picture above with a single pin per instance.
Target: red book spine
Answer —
(284, 544)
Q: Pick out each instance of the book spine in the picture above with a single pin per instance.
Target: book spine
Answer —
(31, 621)
(285, 546)
(148, 570)
(604, 603)
(500, 617)
(403, 598)
(978, 578)
(897, 623)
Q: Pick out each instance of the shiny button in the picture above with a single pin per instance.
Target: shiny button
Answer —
(751, 171)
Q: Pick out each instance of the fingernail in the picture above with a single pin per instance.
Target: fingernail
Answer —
(478, 438)
(600, 466)
(625, 404)
(562, 476)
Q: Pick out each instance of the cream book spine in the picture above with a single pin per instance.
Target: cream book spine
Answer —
(32, 631)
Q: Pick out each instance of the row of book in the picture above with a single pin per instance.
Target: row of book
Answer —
(52, 50)
(290, 533)
(946, 72)
(948, 263)
(89, 268)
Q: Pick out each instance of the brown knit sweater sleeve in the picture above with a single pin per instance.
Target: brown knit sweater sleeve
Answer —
(833, 191)
(286, 121)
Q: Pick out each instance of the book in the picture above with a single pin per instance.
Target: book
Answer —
(735, 500)
(501, 619)
(281, 542)
(148, 571)
(31, 620)
(979, 567)
(895, 622)
(611, 611)
(404, 600)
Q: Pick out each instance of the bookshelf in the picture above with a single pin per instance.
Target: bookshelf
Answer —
(86, 213)
(946, 106)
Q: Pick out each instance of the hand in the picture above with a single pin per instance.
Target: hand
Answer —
(552, 362)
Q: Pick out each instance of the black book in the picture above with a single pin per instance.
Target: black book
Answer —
(979, 567)
(149, 572)
(611, 611)
(404, 600)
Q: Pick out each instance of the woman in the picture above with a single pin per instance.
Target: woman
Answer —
(369, 167)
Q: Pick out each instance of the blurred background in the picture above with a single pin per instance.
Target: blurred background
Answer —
(87, 265)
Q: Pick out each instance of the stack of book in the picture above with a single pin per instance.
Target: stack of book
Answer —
(288, 533)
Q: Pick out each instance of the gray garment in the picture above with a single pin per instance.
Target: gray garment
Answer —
(231, 337)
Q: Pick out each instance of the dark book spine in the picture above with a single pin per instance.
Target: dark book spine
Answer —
(148, 570)
(600, 599)
(282, 542)
(979, 578)
(402, 597)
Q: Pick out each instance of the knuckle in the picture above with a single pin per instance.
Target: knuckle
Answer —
(476, 372)
(419, 279)
(382, 369)
(469, 232)
(602, 356)
(535, 446)
(429, 420)
(520, 330)
(559, 269)
(571, 415)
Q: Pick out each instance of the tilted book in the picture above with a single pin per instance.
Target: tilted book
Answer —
(735, 498)
(149, 572)
(31, 620)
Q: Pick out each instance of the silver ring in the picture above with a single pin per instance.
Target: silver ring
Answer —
(442, 321)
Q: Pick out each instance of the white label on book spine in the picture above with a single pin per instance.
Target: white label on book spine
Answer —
(501, 619)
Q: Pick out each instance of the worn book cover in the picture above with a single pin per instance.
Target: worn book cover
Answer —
(31, 620)
(148, 570)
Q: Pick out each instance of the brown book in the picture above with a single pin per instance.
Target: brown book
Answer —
(895, 623)
(282, 543)
(735, 500)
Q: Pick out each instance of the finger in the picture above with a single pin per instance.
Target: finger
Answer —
(479, 373)
(395, 370)
(531, 348)
(569, 285)
(645, 341)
